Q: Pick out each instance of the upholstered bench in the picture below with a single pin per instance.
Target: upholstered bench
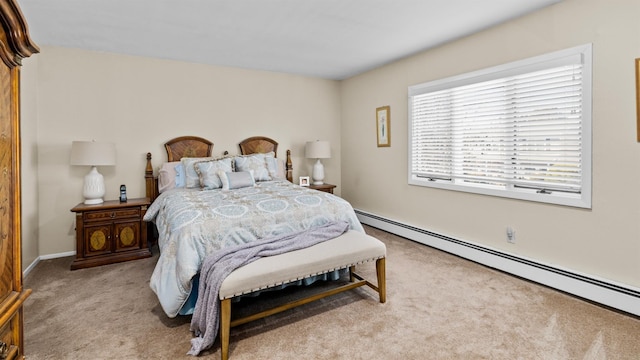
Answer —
(345, 251)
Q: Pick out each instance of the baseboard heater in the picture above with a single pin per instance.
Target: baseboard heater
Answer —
(605, 292)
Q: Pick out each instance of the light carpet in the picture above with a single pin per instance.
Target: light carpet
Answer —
(438, 306)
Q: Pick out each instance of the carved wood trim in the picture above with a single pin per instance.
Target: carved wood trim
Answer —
(14, 46)
(18, 44)
(289, 167)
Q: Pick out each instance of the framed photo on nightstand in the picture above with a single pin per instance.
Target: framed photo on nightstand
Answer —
(304, 181)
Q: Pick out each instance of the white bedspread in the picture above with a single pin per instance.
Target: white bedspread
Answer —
(193, 224)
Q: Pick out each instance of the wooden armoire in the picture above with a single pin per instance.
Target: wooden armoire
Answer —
(14, 46)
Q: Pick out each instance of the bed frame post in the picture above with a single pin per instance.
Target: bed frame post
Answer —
(150, 184)
(289, 167)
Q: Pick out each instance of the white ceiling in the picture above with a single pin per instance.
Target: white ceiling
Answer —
(333, 39)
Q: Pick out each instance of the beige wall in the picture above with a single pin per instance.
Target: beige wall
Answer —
(602, 242)
(139, 103)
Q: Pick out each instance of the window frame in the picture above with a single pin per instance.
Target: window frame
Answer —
(582, 199)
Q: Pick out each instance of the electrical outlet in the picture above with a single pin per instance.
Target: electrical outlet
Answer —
(511, 235)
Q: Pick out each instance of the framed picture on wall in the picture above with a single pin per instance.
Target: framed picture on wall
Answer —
(383, 126)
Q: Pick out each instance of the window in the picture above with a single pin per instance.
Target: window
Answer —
(520, 130)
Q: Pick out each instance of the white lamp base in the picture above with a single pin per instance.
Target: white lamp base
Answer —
(318, 173)
(93, 189)
(93, 201)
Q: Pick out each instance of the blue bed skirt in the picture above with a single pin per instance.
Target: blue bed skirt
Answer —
(190, 304)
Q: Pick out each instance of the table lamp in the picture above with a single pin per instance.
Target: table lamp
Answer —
(318, 150)
(94, 154)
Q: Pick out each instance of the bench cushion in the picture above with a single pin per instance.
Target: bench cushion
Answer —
(350, 248)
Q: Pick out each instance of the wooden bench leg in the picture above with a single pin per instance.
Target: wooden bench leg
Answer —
(355, 279)
(382, 279)
(225, 326)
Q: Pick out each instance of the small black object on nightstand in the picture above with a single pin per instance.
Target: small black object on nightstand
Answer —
(123, 193)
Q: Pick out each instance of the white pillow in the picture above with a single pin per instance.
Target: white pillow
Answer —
(167, 176)
(281, 172)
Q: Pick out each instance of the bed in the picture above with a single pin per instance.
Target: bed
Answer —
(253, 198)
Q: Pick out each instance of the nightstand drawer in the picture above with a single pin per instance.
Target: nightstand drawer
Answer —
(111, 214)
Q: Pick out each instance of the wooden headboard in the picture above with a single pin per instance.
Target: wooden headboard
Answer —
(193, 146)
(258, 144)
(263, 145)
(188, 146)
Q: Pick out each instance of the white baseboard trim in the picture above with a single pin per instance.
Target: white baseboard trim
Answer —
(30, 267)
(45, 257)
(58, 255)
(606, 292)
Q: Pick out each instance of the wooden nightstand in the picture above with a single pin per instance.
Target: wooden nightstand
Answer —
(110, 232)
(324, 187)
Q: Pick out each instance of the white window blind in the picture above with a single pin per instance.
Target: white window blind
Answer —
(520, 130)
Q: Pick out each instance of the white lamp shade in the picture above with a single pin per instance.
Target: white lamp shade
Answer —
(93, 153)
(318, 149)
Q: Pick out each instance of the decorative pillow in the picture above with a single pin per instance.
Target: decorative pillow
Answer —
(272, 166)
(191, 178)
(255, 163)
(167, 176)
(279, 166)
(236, 180)
(208, 172)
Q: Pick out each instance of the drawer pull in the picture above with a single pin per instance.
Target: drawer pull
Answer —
(4, 350)
(113, 215)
